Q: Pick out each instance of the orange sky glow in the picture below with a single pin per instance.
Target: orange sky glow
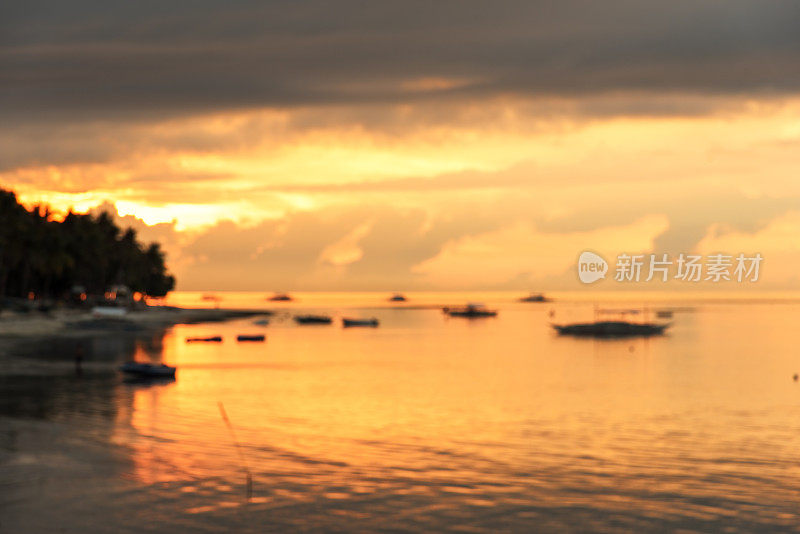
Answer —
(430, 176)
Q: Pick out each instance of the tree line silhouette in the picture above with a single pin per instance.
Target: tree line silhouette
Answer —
(47, 258)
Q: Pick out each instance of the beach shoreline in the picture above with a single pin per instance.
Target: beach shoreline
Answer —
(19, 331)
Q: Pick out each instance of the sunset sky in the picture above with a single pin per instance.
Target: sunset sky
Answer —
(411, 145)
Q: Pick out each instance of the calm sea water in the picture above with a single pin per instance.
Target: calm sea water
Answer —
(426, 423)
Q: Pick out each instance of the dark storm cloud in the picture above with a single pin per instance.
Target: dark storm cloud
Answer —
(100, 58)
(46, 140)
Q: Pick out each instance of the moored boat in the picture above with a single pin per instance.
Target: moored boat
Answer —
(210, 339)
(471, 311)
(147, 369)
(612, 329)
(256, 337)
(535, 297)
(373, 322)
(312, 319)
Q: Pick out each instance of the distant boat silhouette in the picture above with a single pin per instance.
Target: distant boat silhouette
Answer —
(257, 337)
(373, 322)
(397, 297)
(147, 369)
(535, 297)
(312, 319)
(280, 297)
(146, 380)
(211, 339)
(472, 311)
(611, 329)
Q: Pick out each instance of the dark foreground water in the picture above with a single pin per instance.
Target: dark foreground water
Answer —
(425, 423)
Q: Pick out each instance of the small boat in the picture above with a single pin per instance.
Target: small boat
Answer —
(312, 319)
(373, 322)
(664, 314)
(535, 297)
(147, 369)
(611, 329)
(109, 312)
(257, 337)
(261, 322)
(211, 339)
(280, 297)
(147, 381)
(471, 311)
(397, 297)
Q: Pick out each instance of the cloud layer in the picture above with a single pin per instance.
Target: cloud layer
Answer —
(90, 58)
(381, 145)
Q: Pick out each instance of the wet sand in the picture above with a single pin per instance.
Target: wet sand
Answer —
(68, 329)
(77, 322)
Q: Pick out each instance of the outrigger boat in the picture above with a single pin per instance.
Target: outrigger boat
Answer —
(373, 322)
(147, 370)
(471, 311)
(312, 319)
(612, 329)
(535, 297)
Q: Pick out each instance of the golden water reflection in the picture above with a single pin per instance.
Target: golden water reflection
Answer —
(432, 421)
